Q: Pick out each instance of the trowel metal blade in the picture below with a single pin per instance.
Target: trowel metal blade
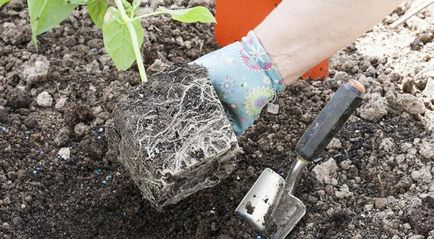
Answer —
(262, 196)
(286, 214)
(268, 206)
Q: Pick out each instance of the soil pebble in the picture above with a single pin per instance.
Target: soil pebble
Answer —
(250, 208)
(427, 149)
(343, 192)
(64, 153)
(326, 170)
(36, 69)
(62, 137)
(375, 108)
(410, 104)
(345, 165)
(80, 129)
(422, 175)
(334, 144)
(380, 203)
(44, 99)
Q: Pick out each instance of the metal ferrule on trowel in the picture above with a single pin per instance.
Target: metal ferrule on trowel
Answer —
(270, 205)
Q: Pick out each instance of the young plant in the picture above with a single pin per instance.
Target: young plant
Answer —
(121, 26)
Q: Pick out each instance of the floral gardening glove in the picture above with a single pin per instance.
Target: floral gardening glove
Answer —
(244, 78)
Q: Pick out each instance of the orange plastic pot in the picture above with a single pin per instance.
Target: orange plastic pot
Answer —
(236, 17)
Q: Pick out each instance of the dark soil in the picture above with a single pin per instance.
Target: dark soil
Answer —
(91, 195)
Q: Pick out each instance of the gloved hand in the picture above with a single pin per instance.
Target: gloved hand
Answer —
(244, 78)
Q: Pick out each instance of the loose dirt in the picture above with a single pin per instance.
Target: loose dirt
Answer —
(379, 186)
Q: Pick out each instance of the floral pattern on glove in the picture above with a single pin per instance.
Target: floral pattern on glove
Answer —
(244, 78)
(256, 100)
(254, 57)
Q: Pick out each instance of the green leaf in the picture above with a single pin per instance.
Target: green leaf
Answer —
(78, 2)
(3, 2)
(190, 15)
(117, 39)
(46, 14)
(96, 10)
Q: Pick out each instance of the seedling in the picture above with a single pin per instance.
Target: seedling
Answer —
(120, 24)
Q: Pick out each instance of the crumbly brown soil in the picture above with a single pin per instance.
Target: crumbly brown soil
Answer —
(91, 195)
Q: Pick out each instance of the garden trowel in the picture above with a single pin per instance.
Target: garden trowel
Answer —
(270, 205)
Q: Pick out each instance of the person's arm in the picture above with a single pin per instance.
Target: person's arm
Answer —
(298, 34)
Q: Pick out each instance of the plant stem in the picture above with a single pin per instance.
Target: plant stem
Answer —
(148, 15)
(134, 41)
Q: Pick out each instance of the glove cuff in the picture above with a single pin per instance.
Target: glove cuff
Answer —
(255, 58)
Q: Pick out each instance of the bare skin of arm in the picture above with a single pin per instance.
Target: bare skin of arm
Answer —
(298, 34)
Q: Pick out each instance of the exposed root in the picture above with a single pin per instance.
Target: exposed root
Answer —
(173, 136)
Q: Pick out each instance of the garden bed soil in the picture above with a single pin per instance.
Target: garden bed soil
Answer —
(375, 180)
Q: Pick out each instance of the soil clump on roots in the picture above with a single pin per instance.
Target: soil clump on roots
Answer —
(173, 136)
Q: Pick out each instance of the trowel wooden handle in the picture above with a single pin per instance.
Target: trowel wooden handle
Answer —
(331, 118)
